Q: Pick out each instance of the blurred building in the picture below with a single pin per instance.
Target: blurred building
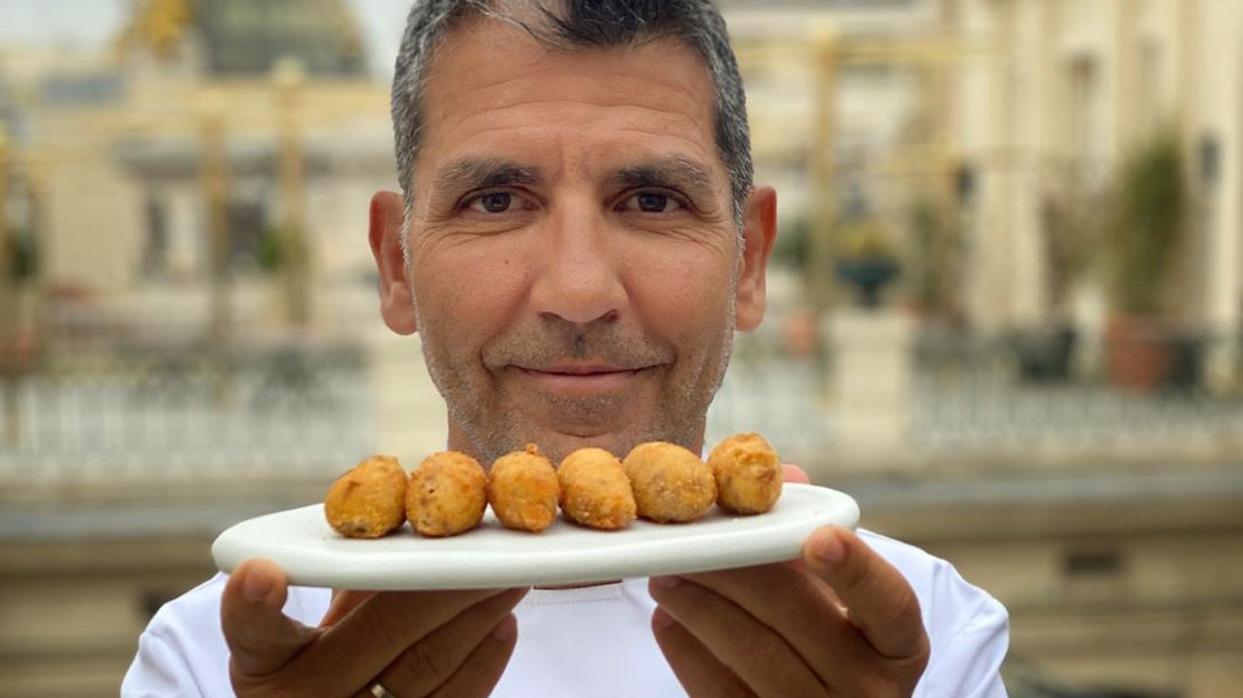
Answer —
(1071, 90)
(232, 37)
(1106, 519)
(1132, 591)
(125, 142)
(1010, 125)
(202, 188)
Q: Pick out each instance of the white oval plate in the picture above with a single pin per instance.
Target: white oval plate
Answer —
(491, 556)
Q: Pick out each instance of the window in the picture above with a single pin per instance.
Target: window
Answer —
(1149, 102)
(1087, 133)
(248, 224)
(154, 261)
(1095, 575)
(1094, 563)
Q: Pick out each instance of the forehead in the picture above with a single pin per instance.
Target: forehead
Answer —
(492, 87)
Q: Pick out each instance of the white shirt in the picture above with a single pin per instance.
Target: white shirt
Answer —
(594, 641)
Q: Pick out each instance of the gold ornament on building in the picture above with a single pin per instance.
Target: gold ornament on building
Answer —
(160, 25)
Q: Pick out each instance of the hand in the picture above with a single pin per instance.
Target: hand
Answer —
(438, 643)
(840, 622)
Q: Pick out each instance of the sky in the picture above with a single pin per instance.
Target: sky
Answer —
(94, 22)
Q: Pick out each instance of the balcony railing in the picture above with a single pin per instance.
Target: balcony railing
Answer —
(995, 396)
(152, 414)
(147, 415)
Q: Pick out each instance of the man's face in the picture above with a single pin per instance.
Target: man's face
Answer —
(576, 273)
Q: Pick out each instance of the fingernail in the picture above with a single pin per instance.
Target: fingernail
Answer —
(505, 632)
(660, 619)
(666, 582)
(829, 549)
(256, 586)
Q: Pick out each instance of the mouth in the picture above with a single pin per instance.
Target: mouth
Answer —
(581, 380)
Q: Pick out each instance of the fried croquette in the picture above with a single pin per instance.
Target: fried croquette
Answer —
(447, 494)
(595, 491)
(748, 474)
(369, 500)
(670, 483)
(523, 490)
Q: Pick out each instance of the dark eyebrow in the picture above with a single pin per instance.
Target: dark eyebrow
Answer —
(468, 174)
(683, 174)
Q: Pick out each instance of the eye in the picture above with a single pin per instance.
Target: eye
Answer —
(494, 202)
(651, 202)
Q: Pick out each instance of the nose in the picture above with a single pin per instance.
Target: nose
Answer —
(579, 280)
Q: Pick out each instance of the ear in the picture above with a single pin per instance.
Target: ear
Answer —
(396, 296)
(758, 234)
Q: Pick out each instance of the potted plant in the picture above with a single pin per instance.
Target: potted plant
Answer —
(866, 259)
(792, 248)
(1145, 224)
(935, 263)
(282, 253)
(1070, 220)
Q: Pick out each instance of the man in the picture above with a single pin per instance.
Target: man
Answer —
(578, 240)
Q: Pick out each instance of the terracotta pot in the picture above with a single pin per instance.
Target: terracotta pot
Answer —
(1138, 352)
(799, 331)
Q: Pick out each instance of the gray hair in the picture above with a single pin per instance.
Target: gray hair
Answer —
(579, 24)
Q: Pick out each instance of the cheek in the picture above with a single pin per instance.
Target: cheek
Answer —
(469, 292)
(683, 290)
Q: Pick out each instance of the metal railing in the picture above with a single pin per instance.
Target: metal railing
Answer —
(159, 413)
(134, 413)
(1041, 388)
(995, 395)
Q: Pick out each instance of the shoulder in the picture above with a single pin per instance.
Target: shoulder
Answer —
(203, 601)
(182, 651)
(181, 647)
(187, 621)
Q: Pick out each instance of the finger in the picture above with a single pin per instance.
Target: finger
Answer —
(431, 661)
(375, 632)
(882, 604)
(793, 473)
(483, 668)
(757, 654)
(343, 601)
(801, 609)
(260, 637)
(697, 669)
(798, 565)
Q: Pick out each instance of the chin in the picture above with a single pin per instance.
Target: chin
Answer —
(558, 445)
(559, 437)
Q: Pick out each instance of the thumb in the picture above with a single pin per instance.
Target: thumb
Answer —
(793, 473)
(261, 638)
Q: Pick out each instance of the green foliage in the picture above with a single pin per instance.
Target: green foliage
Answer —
(1146, 222)
(856, 239)
(269, 253)
(863, 238)
(793, 245)
(23, 256)
(1071, 220)
(935, 259)
(277, 249)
